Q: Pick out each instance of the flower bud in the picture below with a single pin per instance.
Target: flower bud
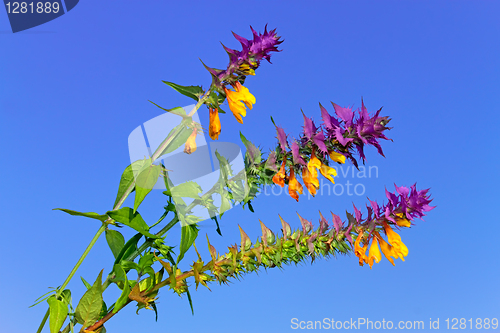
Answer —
(190, 146)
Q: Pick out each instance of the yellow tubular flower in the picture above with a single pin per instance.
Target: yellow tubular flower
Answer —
(326, 171)
(336, 157)
(374, 253)
(190, 146)
(386, 248)
(313, 164)
(214, 127)
(398, 247)
(238, 99)
(311, 183)
(360, 251)
(294, 186)
(279, 177)
(402, 221)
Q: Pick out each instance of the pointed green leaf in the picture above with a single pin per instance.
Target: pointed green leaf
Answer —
(130, 265)
(120, 273)
(189, 219)
(145, 182)
(66, 296)
(128, 179)
(176, 138)
(129, 248)
(126, 216)
(115, 240)
(225, 203)
(87, 285)
(190, 301)
(177, 110)
(104, 310)
(217, 224)
(153, 305)
(193, 92)
(187, 190)
(224, 167)
(88, 309)
(146, 260)
(188, 235)
(58, 314)
(91, 215)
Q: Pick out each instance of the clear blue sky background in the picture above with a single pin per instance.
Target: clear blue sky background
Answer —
(73, 89)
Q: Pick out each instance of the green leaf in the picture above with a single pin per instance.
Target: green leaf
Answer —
(189, 219)
(88, 309)
(177, 110)
(224, 167)
(129, 265)
(188, 235)
(225, 203)
(87, 285)
(179, 140)
(190, 301)
(221, 98)
(104, 310)
(91, 215)
(129, 248)
(128, 179)
(145, 182)
(119, 275)
(253, 154)
(66, 296)
(187, 190)
(153, 305)
(58, 314)
(217, 224)
(213, 99)
(115, 240)
(126, 216)
(146, 261)
(193, 92)
(119, 271)
(181, 132)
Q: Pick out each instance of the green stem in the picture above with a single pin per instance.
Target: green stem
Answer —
(73, 271)
(165, 143)
(44, 320)
(120, 202)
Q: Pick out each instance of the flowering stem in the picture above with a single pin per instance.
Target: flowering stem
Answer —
(300, 246)
(118, 205)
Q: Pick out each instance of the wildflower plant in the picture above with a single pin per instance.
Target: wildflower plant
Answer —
(145, 263)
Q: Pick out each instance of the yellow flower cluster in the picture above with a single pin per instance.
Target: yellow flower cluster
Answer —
(396, 248)
(309, 174)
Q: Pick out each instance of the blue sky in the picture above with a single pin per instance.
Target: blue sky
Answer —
(74, 88)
